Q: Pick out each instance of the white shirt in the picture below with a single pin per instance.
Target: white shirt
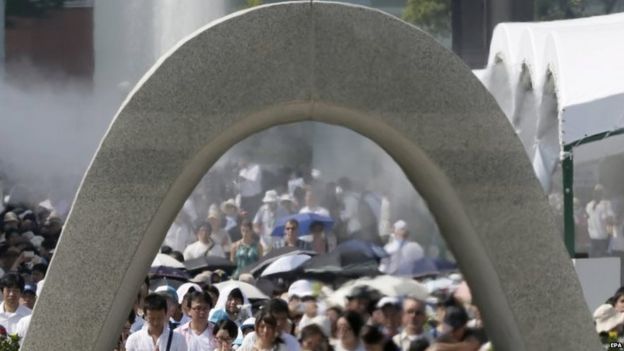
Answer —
(267, 219)
(22, 327)
(142, 341)
(597, 219)
(403, 255)
(10, 320)
(178, 237)
(199, 249)
(316, 210)
(198, 342)
(290, 342)
(351, 212)
(403, 340)
(251, 184)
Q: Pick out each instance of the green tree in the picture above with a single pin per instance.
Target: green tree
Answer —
(432, 16)
(252, 3)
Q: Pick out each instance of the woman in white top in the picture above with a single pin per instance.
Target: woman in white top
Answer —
(267, 334)
(349, 327)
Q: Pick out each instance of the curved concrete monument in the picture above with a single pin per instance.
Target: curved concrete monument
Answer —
(344, 65)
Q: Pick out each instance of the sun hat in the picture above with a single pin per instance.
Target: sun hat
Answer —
(607, 318)
(270, 196)
(300, 288)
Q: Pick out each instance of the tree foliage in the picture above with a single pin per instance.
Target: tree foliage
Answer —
(433, 16)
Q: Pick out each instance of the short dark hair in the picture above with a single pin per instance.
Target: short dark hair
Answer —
(355, 321)
(155, 302)
(228, 325)
(293, 222)
(236, 294)
(204, 224)
(247, 223)
(12, 281)
(276, 306)
(198, 296)
(311, 330)
(372, 335)
(40, 267)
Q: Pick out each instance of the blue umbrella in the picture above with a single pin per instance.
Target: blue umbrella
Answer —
(305, 220)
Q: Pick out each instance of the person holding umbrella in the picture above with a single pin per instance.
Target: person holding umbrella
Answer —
(291, 237)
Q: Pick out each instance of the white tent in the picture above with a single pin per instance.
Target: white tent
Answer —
(558, 82)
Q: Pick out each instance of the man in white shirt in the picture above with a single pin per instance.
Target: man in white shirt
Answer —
(198, 332)
(11, 312)
(403, 253)
(155, 335)
(279, 309)
(351, 206)
(311, 205)
(265, 219)
(413, 319)
(204, 246)
(179, 235)
(600, 221)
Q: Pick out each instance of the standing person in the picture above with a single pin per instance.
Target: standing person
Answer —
(312, 206)
(277, 308)
(179, 235)
(403, 253)
(225, 333)
(350, 326)
(291, 237)
(11, 312)
(413, 319)
(204, 246)
(230, 211)
(245, 251)
(350, 213)
(267, 334)
(198, 333)
(155, 335)
(264, 221)
(599, 222)
(219, 235)
(233, 305)
(250, 184)
(288, 204)
(321, 242)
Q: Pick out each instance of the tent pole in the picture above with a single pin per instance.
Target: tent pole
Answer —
(567, 170)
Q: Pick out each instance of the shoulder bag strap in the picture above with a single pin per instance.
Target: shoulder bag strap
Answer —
(169, 340)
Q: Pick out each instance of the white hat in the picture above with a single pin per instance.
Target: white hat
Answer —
(300, 288)
(270, 196)
(400, 224)
(213, 211)
(228, 202)
(47, 204)
(184, 289)
(249, 322)
(316, 174)
(287, 197)
(37, 240)
(607, 318)
(387, 300)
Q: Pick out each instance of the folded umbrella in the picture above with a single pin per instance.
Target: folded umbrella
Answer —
(305, 220)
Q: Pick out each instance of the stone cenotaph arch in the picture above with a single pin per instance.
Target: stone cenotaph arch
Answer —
(333, 63)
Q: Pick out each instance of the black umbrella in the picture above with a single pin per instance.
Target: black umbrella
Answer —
(210, 263)
(168, 272)
(256, 268)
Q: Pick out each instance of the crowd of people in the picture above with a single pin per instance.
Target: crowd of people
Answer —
(245, 223)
